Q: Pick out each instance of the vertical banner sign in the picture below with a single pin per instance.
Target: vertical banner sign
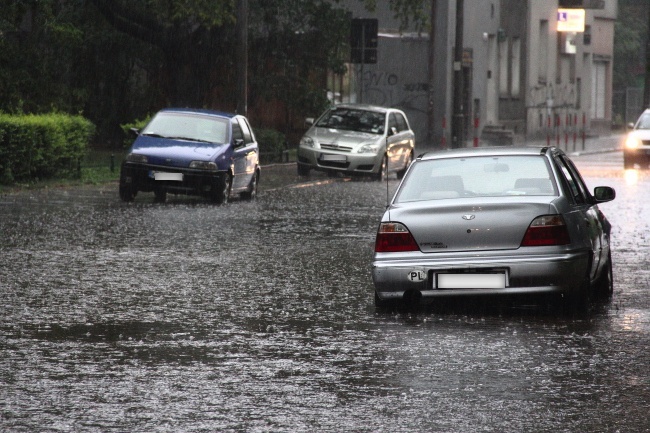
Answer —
(363, 40)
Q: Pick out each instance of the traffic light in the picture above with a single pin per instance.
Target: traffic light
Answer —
(363, 40)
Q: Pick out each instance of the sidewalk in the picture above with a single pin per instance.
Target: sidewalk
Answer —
(592, 144)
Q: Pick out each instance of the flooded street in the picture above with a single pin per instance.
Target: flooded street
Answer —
(259, 317)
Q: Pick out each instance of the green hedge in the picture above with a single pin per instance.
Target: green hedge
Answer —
(36, 147)
(271, 142)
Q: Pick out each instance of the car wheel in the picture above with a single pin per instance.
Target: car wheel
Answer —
(384, 304)
(252, 188)
(222, 194)
(579, 301)
(303, 170)
(160, 195)
(628, 162)
(127, 193)
(605, 285)
(383, 172)
(402, 172)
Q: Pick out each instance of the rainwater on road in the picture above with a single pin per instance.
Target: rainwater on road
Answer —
(259, 317)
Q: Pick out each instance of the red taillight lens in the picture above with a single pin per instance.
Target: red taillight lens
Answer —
(394, 238)
(546, 230)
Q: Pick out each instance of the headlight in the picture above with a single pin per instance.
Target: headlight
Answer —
(632, 142)
(369, 148)
(135, 157)
(308, 142)
(203, 165)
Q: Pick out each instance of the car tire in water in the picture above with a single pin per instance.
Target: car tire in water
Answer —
(383, 170)
(160, 195)
(402, 172)
(252, 188)
(222, 194)
(384, 304)
(127, 193)
(605, 285)
(303, 170)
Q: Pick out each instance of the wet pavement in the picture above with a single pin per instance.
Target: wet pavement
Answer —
(259, 317)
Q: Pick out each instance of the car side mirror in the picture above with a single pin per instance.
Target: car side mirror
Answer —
(392, 131)
(604, 194)
(630, 125)
(135, 131)
(239, 142)
(309, 121)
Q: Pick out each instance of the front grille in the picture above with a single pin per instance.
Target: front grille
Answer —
(335, 147)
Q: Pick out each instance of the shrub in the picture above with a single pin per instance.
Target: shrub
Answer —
(41, 146)
(271, 142)
(127, 128)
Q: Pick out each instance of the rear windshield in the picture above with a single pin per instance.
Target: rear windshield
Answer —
(477, 177)
(188, 126)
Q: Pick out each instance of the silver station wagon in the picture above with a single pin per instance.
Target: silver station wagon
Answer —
(493, 221)
(358, 139)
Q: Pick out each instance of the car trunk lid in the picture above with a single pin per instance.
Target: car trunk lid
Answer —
(470, 224)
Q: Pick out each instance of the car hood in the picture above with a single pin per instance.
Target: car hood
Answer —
(470, 224)
(165, 151)
(641, 134)
(341, 137)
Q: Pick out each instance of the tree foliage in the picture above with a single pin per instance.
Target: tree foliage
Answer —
(119, 60)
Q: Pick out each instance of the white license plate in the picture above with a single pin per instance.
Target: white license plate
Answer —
(471, 281)
(159, 175)
(337, 158)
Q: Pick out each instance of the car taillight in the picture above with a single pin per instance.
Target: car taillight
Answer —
(393, 238)
(546, 230)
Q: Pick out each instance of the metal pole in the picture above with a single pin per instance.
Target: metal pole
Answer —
(431, 78)
(242, 57)
(458, 121)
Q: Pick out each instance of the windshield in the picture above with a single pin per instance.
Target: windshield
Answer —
(477, 176)
(354, 120)
(185, 126)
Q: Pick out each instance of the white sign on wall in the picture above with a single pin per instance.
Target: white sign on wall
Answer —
(571, 20)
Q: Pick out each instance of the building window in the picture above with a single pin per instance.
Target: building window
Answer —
(503, 68)
(515, 63)
(542, 61)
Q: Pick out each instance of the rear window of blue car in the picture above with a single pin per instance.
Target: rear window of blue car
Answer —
(480, 176)
(189, 126)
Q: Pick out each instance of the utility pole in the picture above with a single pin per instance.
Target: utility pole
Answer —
(242, 57)
(646, 90)
(458, 120)
(431, 121)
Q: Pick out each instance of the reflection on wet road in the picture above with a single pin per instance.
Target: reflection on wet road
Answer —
(259, 317)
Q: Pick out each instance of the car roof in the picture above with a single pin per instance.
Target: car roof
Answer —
(367, 107)
(489, 151)
(199, 111)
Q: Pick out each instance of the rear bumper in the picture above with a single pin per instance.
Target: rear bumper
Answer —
(139, 177)
(538, 274)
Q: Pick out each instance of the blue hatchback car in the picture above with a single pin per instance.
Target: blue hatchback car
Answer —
(195, 152)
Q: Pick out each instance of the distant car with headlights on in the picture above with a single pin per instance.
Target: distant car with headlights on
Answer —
(637, 143)
(358, 139)
(493, 221)
(195, 152)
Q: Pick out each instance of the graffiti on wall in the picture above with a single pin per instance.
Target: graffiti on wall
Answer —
(386, 88)
(553, 96)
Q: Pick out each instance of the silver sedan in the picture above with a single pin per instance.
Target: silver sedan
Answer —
(493, 221)
(358, 139)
